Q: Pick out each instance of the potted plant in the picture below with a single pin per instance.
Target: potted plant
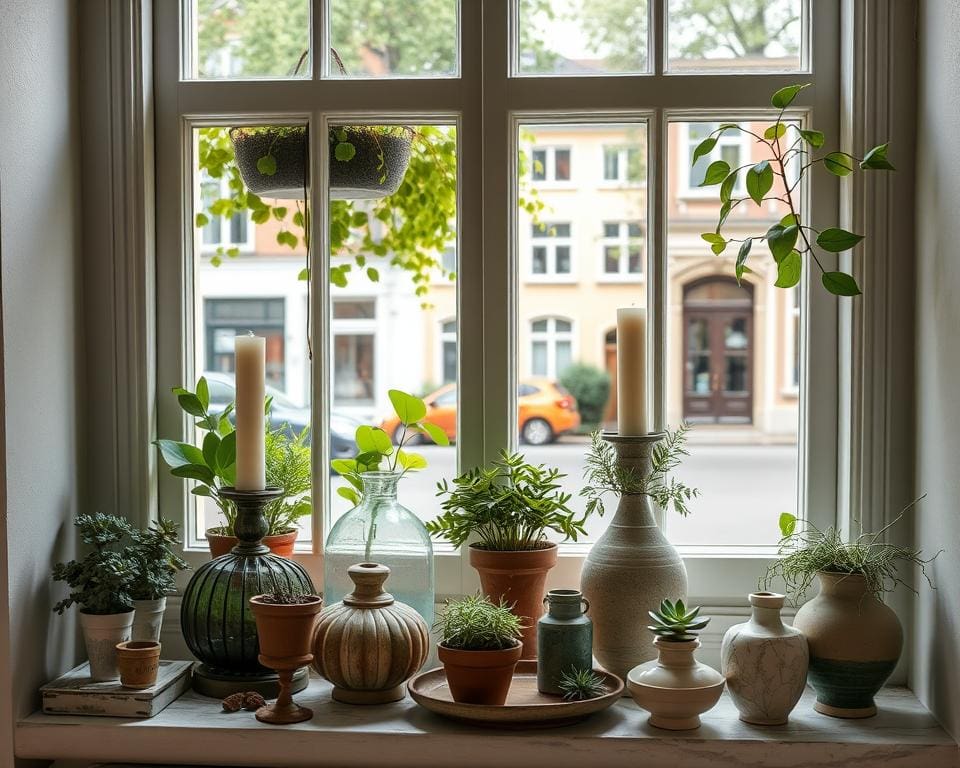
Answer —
(509, 506)
(155, 568)
(212, 464)
(100, 584)
(854, 638)
(285, 619)
(675, 688)
(479, 648)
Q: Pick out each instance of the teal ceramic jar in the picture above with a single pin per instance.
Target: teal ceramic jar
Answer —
(564, 638)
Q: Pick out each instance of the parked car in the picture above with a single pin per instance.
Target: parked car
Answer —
(545, 409)
(343, 428)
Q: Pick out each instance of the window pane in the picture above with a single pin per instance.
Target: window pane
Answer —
(539, 266)
(562, 160)
(393, 38)
(735, 35)
(539, 168)
(248, 38)
(563, 259)
(611, 163)
(582, 37)
(729, 358)
(564, 327)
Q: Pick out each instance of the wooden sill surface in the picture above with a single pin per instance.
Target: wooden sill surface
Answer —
(193, 730)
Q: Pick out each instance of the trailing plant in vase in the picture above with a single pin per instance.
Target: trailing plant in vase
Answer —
(792, 150)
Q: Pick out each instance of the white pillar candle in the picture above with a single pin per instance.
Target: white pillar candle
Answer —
(250, 356)
(632, 371)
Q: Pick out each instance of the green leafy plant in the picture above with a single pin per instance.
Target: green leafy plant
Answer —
(288, 467)
(675, 623)
(806, 550)
(509, 505)
(590, 387)
(581, 684)
(791, 238)
(282, 593)
(475, 623)
(604, 474)
(154, 560)
(101, 582)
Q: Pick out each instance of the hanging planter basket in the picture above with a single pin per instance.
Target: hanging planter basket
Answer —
(274, 161)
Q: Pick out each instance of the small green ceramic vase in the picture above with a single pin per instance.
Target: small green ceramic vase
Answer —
(564, 638)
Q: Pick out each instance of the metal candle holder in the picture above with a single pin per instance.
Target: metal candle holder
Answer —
(217, 623)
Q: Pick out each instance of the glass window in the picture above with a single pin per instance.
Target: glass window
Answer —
(448, 351)
(622, 248)
(350, 309)
(624, 164)
(551, 346)
(550, 251)
(733, 147)
(550, 164)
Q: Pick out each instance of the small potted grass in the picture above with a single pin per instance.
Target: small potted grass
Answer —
(479, 649)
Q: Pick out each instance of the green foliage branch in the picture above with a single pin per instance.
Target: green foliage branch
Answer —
(156, 562)
(475, 623)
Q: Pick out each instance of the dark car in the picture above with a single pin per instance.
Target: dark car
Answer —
(284, 411)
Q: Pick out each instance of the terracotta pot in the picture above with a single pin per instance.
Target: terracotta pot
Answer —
(101, 633)
(765, 663)
(138, 661)
(148, 619)
(519, 578)
(676, 688)
(369, 645)
(280, 544)
(285, 631)
(479, 677)
(855, 642)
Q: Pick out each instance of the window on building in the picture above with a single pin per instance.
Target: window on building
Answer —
(550, 163)
(551, 252)
(227, 318)
(223, 232)
(624, 165)
(733, 147)
(448, 351)
(622, 248)
(551, 346)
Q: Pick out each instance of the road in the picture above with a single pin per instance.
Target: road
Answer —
(744, 488)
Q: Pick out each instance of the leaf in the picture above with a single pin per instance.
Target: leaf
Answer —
(344, 151)
(190, 403)
(343, 466)
(712, 237)
(373, 440)
(436, 433)
(782, 240)
(789, 219)
(303, 274)
(813, 138)
(785, 96)
(742, 257)
(201, 490)
(719, 248)
(279, 212)
(178, 454)
(349, 494)
(411, 461)
(840, 284)
(788, 524)
(837, 240)
(199, 472)
(267, 165)
(726, 189)
(373, 275)
(717, 171)
(409, 409)
(759, 181)
(705, 147)
(227, 451)
(203, 393)
(260, 216)
(724, 212)
(876, 159)
(202, 219)
(775, 131)
(788, 270)
(838, 163)
(211, 443)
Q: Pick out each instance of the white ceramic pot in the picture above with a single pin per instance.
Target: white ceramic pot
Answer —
(148, 619)
(101, 633)
(675, 688)
(765, 663)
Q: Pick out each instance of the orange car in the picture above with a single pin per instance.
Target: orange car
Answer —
(546, 411)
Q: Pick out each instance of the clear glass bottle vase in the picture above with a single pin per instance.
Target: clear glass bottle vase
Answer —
(381, 530)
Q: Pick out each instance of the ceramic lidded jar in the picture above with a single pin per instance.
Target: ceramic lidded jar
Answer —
(369, 645)
(765, 663)
(564, 638)
(855, 642)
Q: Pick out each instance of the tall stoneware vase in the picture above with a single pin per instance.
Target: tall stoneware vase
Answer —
(855, 642)
(630, 569)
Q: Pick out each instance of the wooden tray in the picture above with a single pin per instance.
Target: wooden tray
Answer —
(526, 707)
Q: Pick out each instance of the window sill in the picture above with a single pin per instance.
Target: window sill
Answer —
(193, 729)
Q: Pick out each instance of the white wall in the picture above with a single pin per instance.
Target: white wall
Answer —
(936, 672)
(39, 261)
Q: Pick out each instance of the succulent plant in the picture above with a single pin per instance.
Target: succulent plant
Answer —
(580, 684)
(675, 623)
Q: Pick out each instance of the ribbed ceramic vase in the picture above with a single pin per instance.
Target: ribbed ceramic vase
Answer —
(369, 645)
(855, 642)
(765, 663)
(630, 569)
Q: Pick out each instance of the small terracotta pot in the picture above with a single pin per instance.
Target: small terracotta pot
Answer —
(285, 631)
(138, 661)
(281, 544)
(479, 677)
(519, 579)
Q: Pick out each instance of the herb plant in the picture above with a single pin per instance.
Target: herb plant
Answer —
(806, 550)
(288, 467)
(283, 594)
(102, 580)
(675, 623)
(791, 238)
(581, 684)
(474, 623)
(508, 505)
(154, 561)
(604, 474)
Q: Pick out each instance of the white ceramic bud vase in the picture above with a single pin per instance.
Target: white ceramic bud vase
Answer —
(101, 633)
(148, 619)
(765, 663)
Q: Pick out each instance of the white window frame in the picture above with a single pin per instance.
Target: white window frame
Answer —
(623, 241)
(488, 107)
(551, 337)
(550, 179)
(623, 165)
(550, 243)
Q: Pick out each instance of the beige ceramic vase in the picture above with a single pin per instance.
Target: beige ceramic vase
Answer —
(855, 642)
(676, 688)
(630, 570)
(369, 645)
(765, 663)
